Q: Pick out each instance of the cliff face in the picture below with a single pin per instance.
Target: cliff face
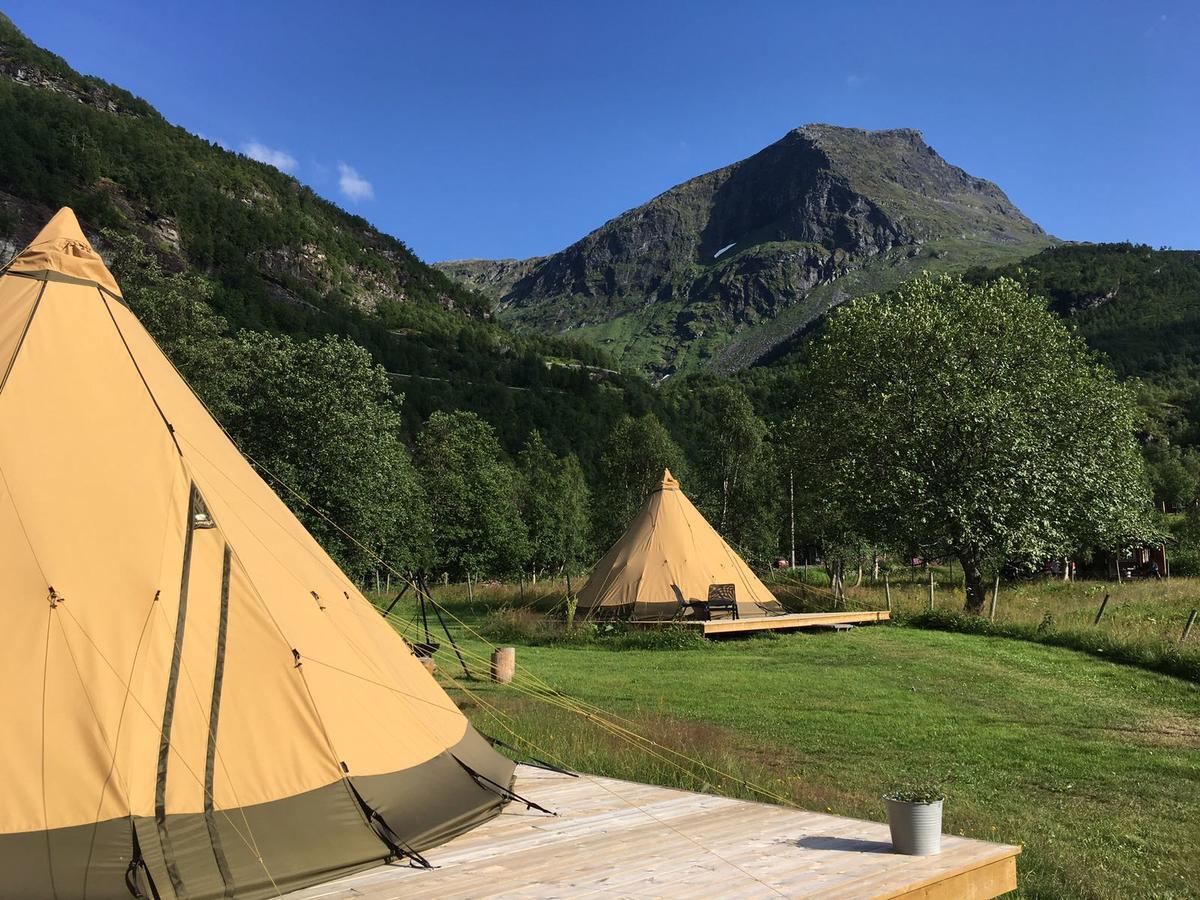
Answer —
(692, 277)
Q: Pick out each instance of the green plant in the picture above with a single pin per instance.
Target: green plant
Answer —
(922, 795)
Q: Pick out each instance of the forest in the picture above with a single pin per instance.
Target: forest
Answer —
(322, 420)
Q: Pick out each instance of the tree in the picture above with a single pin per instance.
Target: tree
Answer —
(321, 416)
(736, 481)
(554, 505)
(952, 419)
(637, 452)
(576, 512)
(472, 492)
(1174, 474)
(175, 308)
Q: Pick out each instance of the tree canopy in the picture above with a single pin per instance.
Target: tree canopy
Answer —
(555, 506)
(472, 490)
(637, 452)
(321, 416)
(953, 419)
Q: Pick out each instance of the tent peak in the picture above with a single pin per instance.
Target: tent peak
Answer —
(61, 248)
(668, 482)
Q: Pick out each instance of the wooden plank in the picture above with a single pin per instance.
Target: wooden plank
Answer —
(980, 883)
(770, 623)
(617, 838)
(794, 620)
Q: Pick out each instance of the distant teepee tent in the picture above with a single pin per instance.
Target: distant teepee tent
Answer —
(195, 700)
(669, 556)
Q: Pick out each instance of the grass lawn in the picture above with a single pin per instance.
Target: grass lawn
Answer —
(1142, 623)
(1093, 767)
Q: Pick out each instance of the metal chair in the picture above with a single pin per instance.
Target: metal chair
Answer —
(723, 598)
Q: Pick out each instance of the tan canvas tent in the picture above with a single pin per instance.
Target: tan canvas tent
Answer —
(670, 555)
(195, 701)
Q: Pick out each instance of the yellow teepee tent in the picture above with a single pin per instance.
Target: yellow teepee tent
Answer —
(669, 556)
(196, 701)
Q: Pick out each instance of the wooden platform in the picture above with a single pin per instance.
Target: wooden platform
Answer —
(788, 622)
(620, 839)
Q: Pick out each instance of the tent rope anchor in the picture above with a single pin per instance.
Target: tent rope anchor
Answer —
(507, 793)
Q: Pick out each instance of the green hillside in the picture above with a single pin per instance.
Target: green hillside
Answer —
(280, 258)
(1140, 307)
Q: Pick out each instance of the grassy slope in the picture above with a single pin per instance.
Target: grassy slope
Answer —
(1091, 766)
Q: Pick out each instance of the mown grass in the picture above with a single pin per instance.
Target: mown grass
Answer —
(1142, 624)
(1092, 767)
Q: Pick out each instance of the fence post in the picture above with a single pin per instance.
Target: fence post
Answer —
(887, 589)
(1100, 611)
(1187, 629)
(931, 588)
(995, 594)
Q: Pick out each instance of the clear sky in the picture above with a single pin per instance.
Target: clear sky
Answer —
(511, 128)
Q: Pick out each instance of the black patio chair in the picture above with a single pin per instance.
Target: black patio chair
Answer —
(722, 598)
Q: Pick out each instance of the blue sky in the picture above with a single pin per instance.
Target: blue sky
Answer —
(514, 128)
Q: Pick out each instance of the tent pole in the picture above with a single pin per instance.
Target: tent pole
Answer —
(453, 643)
(403, 591)
(424, 614)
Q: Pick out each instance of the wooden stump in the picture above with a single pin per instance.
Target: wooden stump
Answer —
(504, 664)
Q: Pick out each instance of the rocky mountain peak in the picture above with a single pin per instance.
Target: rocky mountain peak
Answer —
(681, 279)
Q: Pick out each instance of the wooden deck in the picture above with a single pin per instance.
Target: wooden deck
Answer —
(788, 622)
(621, 839)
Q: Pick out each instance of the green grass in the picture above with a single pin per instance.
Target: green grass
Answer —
(1092, 767)
(1142, 622)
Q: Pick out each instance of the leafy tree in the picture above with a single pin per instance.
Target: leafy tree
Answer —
(1174, 474)
(637, 452)
(321, 416)
(554, 506)
(174, 308)
(576, 513)
(472, 491)
(735, 479)
(963, 420)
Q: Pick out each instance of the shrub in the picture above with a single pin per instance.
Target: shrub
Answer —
(527, 627)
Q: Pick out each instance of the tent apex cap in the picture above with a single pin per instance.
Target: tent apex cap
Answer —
(63, 226)
(668, 481)
(62, 247)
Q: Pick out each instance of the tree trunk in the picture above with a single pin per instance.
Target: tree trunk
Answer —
(973, 579)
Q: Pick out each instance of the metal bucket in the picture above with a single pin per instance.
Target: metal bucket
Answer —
(916, 827)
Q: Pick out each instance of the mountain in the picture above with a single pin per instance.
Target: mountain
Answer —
(718, 270)
(279, 257)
